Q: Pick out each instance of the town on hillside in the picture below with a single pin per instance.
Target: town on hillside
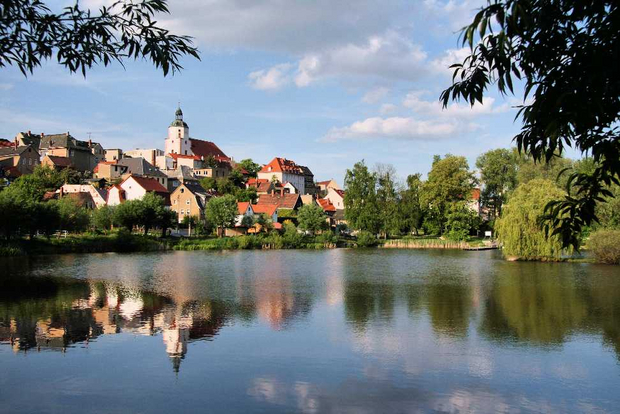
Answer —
(187, 174)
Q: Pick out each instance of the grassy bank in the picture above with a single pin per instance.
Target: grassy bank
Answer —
(85, 243)
(430, 243)
(261, 241)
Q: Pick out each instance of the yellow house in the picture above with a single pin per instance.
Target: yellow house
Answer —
(189, 199)
(23, 158)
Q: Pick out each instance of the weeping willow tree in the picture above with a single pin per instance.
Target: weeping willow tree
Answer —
(519, 228)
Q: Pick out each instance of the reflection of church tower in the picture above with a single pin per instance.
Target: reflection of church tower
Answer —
(178, 141)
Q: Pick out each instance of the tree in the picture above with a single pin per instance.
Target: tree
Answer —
(127, 214)
(460, 221)
(360, 199)
(103, 218)
(34, 186)
(78, 39)
(410, 208)
(566, 55)
(208, 183)
(388, 199)
(221, 212)
(557, 169)
(151, 212)
(498, 172)
(518, 229)
(311, 218)
(448, 181)
(250, 166)
(71, 216)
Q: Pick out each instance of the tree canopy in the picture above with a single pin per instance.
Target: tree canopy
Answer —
(221, 212)
(311, 218)
(498, 172)
(360, 200)
(78, 39)
(567, 55)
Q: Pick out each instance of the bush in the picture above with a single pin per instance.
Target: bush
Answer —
(605, 245)
(366, 239)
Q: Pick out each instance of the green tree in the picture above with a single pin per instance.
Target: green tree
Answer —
(518, 229)
(127, 214)
(388, 200)
(103, 218)
(151, 212)
(498, 173)
(208, 183)
(80, 39)
(250, 166)
(557, 169)
(448, 181)
(410, 206)
(72, 216)
(34, 186)
(360, 200)
(564, 52)
(311, 218)
(221, 212)
(461, 221)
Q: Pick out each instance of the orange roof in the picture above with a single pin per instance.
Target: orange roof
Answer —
(242, 206)
(207, 148)
(326, 205)
(177, 156)
(475, 194)
(289, 201)
(265, 208)
(282, 165)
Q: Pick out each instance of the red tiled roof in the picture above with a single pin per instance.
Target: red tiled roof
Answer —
(242, 206)
(475, 194)
(277, 226)
(6, 143)
(149, 184)
(207, 148)
(177, 156)
(268, 209)
(12, 172)
(339, 192)
(324, 182)
(282, 165)
(281, 201)
(326, 205)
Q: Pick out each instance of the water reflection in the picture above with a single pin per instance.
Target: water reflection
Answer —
(320, 329)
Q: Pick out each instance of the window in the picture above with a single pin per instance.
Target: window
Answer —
(175, 201)
(188, 202)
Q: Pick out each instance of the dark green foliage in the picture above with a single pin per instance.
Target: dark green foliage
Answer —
(208, 183)
(461, 221)
(388, 200)
(102, 219)
(78, 39)
(605, 245)
(410, 207)
(366, 239)
(567, 54)
(498, 172)
(250, 166)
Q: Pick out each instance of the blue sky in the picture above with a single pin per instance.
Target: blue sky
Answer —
(325, 83)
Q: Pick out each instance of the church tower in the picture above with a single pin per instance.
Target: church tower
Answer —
(178, 141)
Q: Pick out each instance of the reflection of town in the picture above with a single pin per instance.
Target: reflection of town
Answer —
(533, 304)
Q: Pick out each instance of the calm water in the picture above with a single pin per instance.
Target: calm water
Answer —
(304, 331)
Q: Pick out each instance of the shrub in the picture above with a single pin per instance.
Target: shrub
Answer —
(605, 245)
(366, 239)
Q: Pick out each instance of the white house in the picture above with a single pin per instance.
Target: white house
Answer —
(336, 197)
(285, 171)
(99, 196)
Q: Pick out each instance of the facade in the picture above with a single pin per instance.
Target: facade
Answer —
(135, 188)
(98, 196)
(284, 170)
(189, 199)
(336, 197)
(116, 195)
(24, 159)
(110, 170)
(57, 163)
(113, 154)
(150, 155)
(325, 185)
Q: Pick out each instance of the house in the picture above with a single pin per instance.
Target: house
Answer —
(283, 170)
(23, 158)
(329, 209)
(150, 155)
(178, 176)
(474, 201)
(28, 138)
(336, 197)
(285, 204)
(79, 152)
(309, 185)
(97, 151)
(244, 209)
(98, 196)
(113, 154)
(325, 185)
(110, 170)
(143, 168)
(263, 186)
(189, 199)
(269, 210)
(134, 188)
(56, 163)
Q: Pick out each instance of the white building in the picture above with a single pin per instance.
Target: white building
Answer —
(284, 171)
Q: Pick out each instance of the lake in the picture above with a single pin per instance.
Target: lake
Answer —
(344, 331)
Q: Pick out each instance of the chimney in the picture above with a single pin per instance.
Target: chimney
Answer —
(15, 143)
(90, 143)
(29, 133)
(42, 134)
(282, 192)
(67, 133)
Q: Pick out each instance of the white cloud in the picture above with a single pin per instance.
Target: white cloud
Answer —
(390, 57)
(273, 78)
(395, 127)
(387, 108)
(375, 95)
(419, 106)
(449, 58)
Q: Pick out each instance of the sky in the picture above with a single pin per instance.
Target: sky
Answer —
(325, 83)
